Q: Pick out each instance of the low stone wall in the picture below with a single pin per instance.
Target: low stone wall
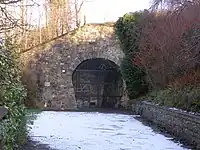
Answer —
(180, 124)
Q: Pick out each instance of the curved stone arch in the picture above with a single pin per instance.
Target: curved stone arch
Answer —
(92, 55)
(84, 56)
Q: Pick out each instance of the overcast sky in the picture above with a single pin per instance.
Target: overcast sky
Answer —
(109, 10)
(96, 11)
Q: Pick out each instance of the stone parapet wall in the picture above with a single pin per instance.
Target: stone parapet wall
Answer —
(183, 125)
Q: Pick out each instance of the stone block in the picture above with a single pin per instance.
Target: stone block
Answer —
(47, 84)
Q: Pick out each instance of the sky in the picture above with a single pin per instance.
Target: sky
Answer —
(96, 11)
(99, 11)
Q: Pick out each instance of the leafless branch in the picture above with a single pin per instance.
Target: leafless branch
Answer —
(6, 2)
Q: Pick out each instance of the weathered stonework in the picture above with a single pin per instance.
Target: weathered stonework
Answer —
(181, 124)
(48, 68)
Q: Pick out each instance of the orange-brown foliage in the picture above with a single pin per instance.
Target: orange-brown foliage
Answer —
(188, 79)
(163, 51)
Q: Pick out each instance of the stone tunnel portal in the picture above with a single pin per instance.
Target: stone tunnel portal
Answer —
(97, 84)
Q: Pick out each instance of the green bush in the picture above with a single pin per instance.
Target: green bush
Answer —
(134, 78)
(187, 98)
(128, 30)
(12, 95)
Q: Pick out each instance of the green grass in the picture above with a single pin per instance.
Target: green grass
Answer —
(33, 110)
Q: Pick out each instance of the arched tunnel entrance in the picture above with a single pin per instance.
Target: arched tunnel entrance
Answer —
(97, 84)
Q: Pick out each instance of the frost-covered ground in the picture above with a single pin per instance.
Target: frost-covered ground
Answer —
(97, 131)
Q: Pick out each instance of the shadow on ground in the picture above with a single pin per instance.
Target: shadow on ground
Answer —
(34, 145)
(163, 131)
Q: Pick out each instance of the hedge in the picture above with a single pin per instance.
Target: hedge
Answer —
(12, 95)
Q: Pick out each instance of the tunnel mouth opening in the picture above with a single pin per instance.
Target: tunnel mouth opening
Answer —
(97, 84)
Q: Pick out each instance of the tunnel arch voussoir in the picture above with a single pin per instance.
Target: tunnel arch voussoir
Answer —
(92, 55)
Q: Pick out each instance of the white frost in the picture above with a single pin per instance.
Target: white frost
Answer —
(97, 131)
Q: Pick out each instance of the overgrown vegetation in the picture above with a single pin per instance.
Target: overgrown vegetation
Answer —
(187, 98)
(166, 48)
(128, 31)
(12, 95)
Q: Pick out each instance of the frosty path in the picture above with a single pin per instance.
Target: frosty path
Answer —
(96, 131)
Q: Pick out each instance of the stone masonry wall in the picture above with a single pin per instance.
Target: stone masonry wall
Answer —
(48, 69)
(183, 125)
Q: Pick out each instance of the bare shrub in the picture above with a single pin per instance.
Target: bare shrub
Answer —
(169, 45)
(188, 79)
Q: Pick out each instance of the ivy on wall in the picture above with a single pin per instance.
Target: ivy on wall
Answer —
(128, 30)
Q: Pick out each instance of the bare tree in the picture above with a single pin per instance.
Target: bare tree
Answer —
(61, 16)
(8, 19)
(169, 46)
(77, 6)
(172, 4)
(6, 2)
